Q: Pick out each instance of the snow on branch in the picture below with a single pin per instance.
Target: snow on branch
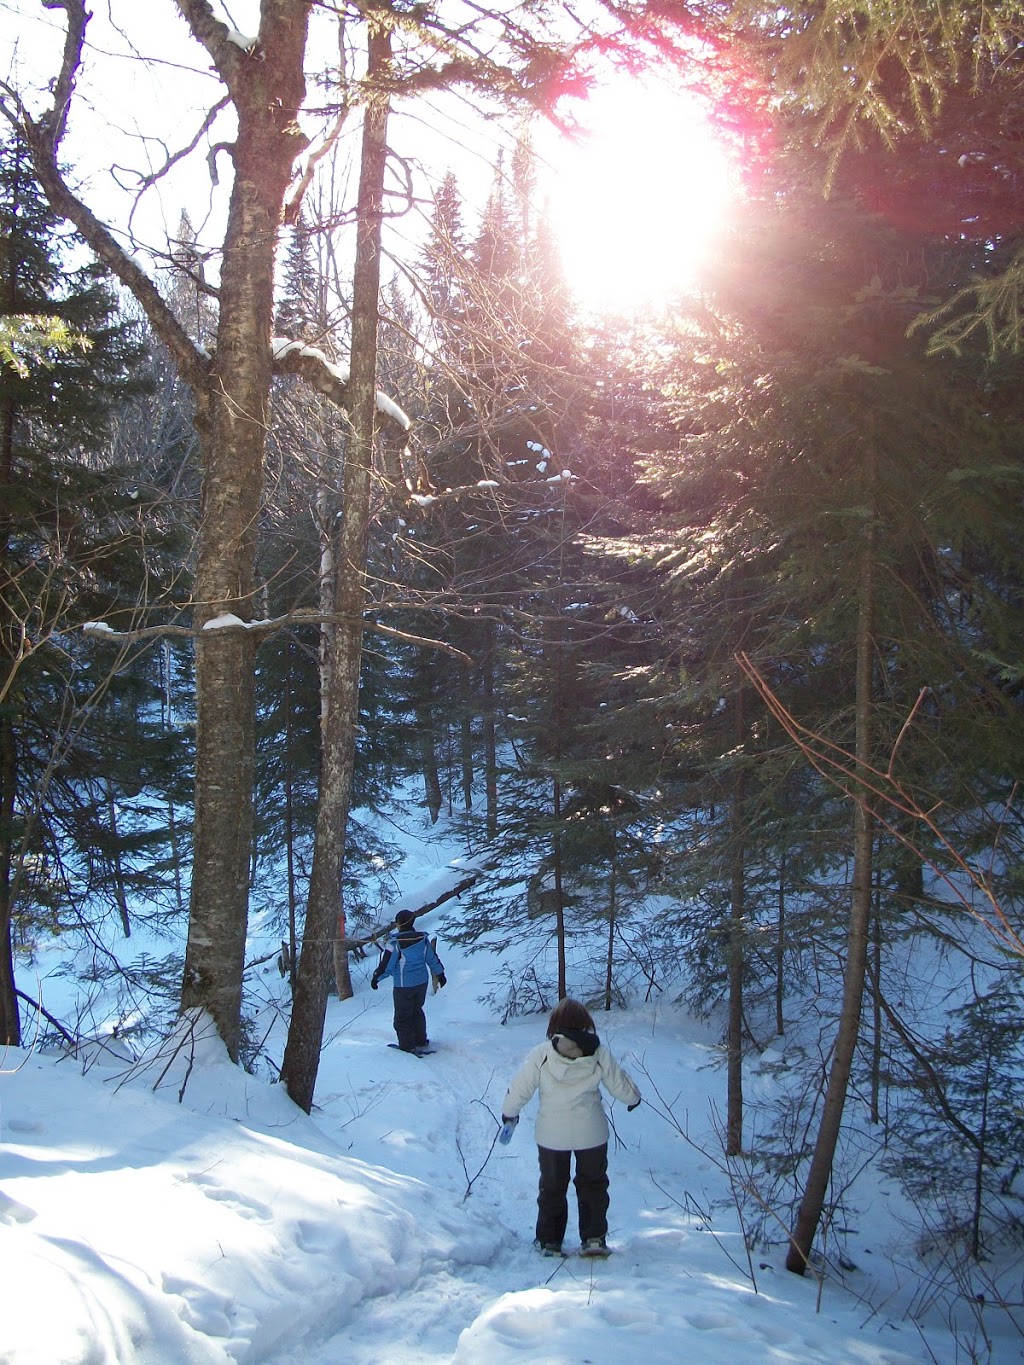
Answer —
(100, 630)
(330, 379)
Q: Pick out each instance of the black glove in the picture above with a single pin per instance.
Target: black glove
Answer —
(374, 983)
(442, 980)
(631, 1107)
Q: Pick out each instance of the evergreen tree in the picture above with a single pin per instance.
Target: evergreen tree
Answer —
(821, 487)
(75, 532)
(960, 1132)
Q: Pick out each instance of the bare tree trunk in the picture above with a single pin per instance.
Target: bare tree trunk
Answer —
(232, 420)
(342, 975)
(289, 831)
(466, 737)
(737, 931)
(556, 854)
(612, 893)
(428, 762)
(490, 737)
(981, 1157)
(820, 1172)
(10, 1017)
(305, 1033)
(118, 867)
(780, 951)
(876, 1004)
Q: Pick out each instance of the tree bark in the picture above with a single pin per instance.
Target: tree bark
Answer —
(289, 830)
(780, 952)
(876, 1005)
(305, 1033)
(428, 762)
(466, 737)
(490, 736)
(10, 1016)
(612, 907)
(737, 930)
(232, 420)
(556, 859)
(342, 975)
(820, 1171)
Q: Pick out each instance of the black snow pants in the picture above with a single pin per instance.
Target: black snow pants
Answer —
(410, 1021)
(591, 1183)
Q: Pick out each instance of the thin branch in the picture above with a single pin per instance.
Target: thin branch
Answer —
(870, 786)
(293, 207)
(71, 1041)
(148, 180)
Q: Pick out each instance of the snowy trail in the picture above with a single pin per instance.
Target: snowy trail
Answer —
(190, 1215)
(677, 1284)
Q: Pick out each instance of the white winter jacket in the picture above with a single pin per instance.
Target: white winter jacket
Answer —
(570, 1116)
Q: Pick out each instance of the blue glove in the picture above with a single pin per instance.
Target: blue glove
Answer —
(508, 1127)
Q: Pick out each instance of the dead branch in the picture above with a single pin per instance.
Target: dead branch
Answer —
(148, 180)
(879, 791)
(293, 207)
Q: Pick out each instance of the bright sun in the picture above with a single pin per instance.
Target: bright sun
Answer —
(641, 199)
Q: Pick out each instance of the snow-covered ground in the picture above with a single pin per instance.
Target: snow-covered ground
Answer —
(180, 1210)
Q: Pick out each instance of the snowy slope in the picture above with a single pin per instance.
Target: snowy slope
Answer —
(231, 1227)
(176, 1209)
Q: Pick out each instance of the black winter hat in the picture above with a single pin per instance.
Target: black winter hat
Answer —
(404, 919)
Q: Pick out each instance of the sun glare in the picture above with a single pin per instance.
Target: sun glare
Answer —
(641, 199)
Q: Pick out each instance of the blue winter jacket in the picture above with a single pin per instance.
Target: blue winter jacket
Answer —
(409, 959)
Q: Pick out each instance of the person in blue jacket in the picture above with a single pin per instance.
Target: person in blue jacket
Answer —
(409, 959)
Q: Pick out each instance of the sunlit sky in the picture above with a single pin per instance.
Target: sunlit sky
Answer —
(635, 202)
(639, 201)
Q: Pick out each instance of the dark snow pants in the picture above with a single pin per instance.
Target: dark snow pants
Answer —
(410, 1021)
(591, 1183)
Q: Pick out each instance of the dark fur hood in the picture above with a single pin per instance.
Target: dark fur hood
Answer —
(575, 1042)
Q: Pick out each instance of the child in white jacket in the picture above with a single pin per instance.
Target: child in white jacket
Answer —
(568, 1070)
